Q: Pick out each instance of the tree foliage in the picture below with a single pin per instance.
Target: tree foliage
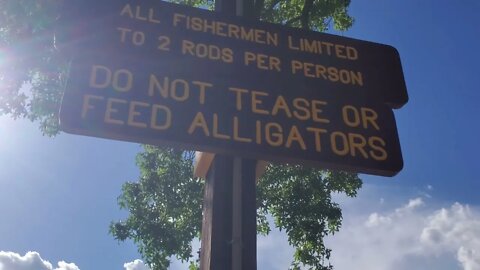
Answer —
(164, 205)
(28, 58)
(307, 14)
(300, 201)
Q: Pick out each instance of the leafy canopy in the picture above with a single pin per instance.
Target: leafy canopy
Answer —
(300, 201)
(165, 206)
(32, 71)
(165, 203)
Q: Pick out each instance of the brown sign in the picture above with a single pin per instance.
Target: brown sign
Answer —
(160, 73)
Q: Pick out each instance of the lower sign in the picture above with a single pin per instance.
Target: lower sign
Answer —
(163, 103)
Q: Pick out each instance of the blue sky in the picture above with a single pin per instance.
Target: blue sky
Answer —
(58, 195)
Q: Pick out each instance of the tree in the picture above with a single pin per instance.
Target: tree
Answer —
(299, 199)
(165, 204)
(29, 58)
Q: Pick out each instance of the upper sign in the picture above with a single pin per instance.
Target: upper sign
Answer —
(156, 73)
(250, 50)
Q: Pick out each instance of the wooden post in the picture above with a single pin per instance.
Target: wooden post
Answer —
(229, 226)
(248, 215)
(216, 249)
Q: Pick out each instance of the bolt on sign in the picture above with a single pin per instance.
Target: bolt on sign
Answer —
(165, 74)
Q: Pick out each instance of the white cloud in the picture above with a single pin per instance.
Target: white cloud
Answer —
(30, 261)
(469, 258)
(136, 265)
(66, 266)
(375, 220)
(455, 230)
(412, 204)
(409, 237)
(33, 261)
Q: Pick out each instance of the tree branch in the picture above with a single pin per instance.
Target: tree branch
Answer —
(292, 20)
(258, 7)
(268, 11)
(274, 3)
(305, 16)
